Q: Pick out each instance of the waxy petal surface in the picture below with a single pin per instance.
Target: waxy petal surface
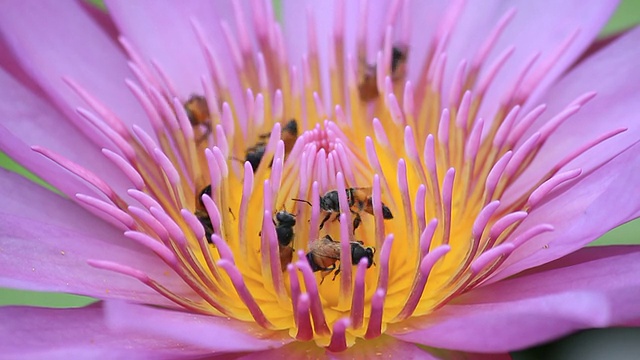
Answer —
(43, 333)
(45, 241)
(594, 287)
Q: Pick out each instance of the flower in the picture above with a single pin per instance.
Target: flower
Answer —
(455, 152)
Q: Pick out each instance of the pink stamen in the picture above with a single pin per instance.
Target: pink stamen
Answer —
(110, 118)
(278, 106)
(125, 166)
(385, 254)
(550, 126)
(317, 313)
(319, 110)
(412, 153)
(480, 224)
(374, 329)
(403, 186)
(143, 198)
(276, 170)
(419, 206)
(221, 141)
(320, 170)
(494, 176)
(148, 107)
(443, 131)
(490, 256)
(345, 259)
(174, 230)
(263, 76)
(357, 299)
(81, 172)
(232, 46)
(258, 111)
(305, 331)
(473, 142)
(457, 84)
(241, 288)
(213, 212)
(247, 191)
(447, 199)
(110, 210)
(505, 128)
(165, 81)
(505, 222)
(523, 125)
(545, 188)
(432, 170)
(338, 337)
(165, 112)
(584, 148)
(535, 79)
(346, 163)
(510, 94)
(135, 57)
(243, 33)
(109, 132)
(315, 212)
(344, 203)
(183, 120)
(521, 154)
(381, 135)
(394, 110)
(492, 38)
(154, 245)
(223, 249)
(408, 104)
(531, 233)
(198, 230)
(376, 199)
(294, 285)
(493, 70)
(438, 73)
(426, 237)
(147, 219)
(271, 257)
(417, 289)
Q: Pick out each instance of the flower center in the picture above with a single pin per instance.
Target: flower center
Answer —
(331, 225)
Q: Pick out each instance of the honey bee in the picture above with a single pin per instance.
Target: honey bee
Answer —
(324, 253)
(198, 113)
(285, 222)
(288, 135)
(202, 214)
(368, 87)
(359, 200)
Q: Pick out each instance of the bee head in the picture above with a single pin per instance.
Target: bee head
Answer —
(285, 218)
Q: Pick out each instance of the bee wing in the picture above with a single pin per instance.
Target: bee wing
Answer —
(326, 248)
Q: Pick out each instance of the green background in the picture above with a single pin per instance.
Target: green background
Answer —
(591, 344)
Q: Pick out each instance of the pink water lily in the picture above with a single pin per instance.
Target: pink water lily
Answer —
(483, 147)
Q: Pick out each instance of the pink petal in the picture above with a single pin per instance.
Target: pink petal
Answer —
(538, 26)
(208, 332)
(46, 241)
(613, 74)
(162, 31)
(52, 40)
(42, 333)
(30, 120)
(596, 287)
(597, 203)
(101, 17)
(383, 346)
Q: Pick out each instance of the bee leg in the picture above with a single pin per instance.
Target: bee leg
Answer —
(325, 220)
(335, 274)
(357, 220)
